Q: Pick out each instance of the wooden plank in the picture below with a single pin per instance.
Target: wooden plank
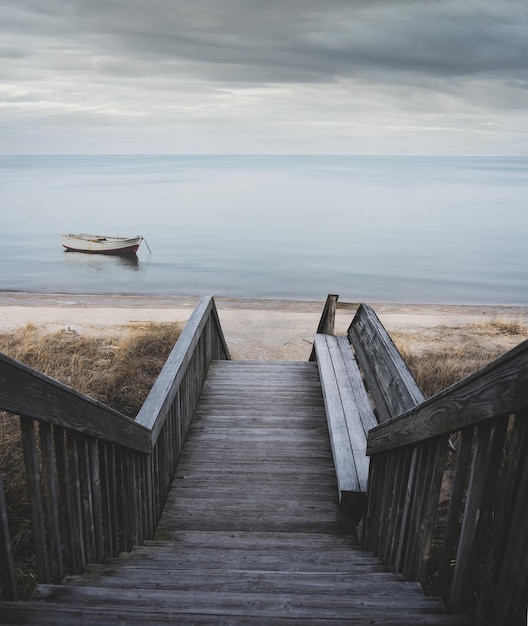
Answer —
(106, 473)
(85, 481)
(386, 494)
(58, 614)
(366, 414)
(35, 498)
(355, 581)
(51, 501)
(346, 401)
(508, 547)
(65, 498)
(497, 389)
(7, 569)
(296, 606)
(458, 488)
(403, 466)
(508, 600)
(485, 465)
(75, 508)
(96, 498)
(435, 472)
(347, 477)
(351, 410)
(388, 379)
(24, 391)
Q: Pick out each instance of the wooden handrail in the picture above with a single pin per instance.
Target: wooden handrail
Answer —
(154, 411)
(24, 391)
(497, 389)
(96, 479)
(482, 561)
(388, 379)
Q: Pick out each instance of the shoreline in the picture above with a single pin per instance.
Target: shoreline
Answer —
(254, 328)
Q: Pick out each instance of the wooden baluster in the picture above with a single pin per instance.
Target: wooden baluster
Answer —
(106, 473)
(509, 593)
(456, 501)
(504, 571)
(435, 472)
(76, 520)
(65, 498)
(85, 480)
(149, 497)
(398, 499)
(35, 498)
(371, 521)
(131, 495)
(386, 502)
(488, 450)
(7, 568)
(120, 500)
(52, 503)
(96, 499)
(407, 509)
(418, 489)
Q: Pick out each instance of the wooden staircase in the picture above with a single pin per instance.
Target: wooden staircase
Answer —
(251, 532)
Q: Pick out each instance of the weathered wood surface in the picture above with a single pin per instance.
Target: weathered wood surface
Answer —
(500, 388)
(7, 577)
(349, 415)
(388, 379)
(327, 322)
(24, 391)
(156, 407)
(481, 545)
(252, 531)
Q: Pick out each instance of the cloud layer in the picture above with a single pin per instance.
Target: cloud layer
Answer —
(402, 76)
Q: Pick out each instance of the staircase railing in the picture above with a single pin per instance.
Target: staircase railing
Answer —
(477, 560)
(96, 479)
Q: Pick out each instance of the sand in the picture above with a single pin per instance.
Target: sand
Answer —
(254, 329)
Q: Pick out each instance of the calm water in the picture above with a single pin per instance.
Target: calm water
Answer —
(433, 229)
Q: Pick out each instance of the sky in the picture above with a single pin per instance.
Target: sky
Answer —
(264, 77)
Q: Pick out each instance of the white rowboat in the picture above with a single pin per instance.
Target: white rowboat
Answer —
(99, 244)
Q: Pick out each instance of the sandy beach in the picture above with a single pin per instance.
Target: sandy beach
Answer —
(254, 329)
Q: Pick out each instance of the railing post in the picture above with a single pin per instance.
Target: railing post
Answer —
(327, 321)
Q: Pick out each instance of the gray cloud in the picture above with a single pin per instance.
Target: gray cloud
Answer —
(251, 59)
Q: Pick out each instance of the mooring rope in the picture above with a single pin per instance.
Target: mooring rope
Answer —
(143, 239)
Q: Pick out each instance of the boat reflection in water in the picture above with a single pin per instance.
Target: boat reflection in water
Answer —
(102, 262)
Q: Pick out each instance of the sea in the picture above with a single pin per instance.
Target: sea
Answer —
(416, 229)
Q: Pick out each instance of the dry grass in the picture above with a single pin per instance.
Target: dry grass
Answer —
(440, 359)
(119, 372)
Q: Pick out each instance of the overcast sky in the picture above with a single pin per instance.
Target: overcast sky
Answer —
(264, 76)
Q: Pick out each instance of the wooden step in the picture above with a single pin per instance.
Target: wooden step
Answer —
(251, 533)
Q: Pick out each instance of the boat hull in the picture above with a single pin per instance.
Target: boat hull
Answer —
(98, 244)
